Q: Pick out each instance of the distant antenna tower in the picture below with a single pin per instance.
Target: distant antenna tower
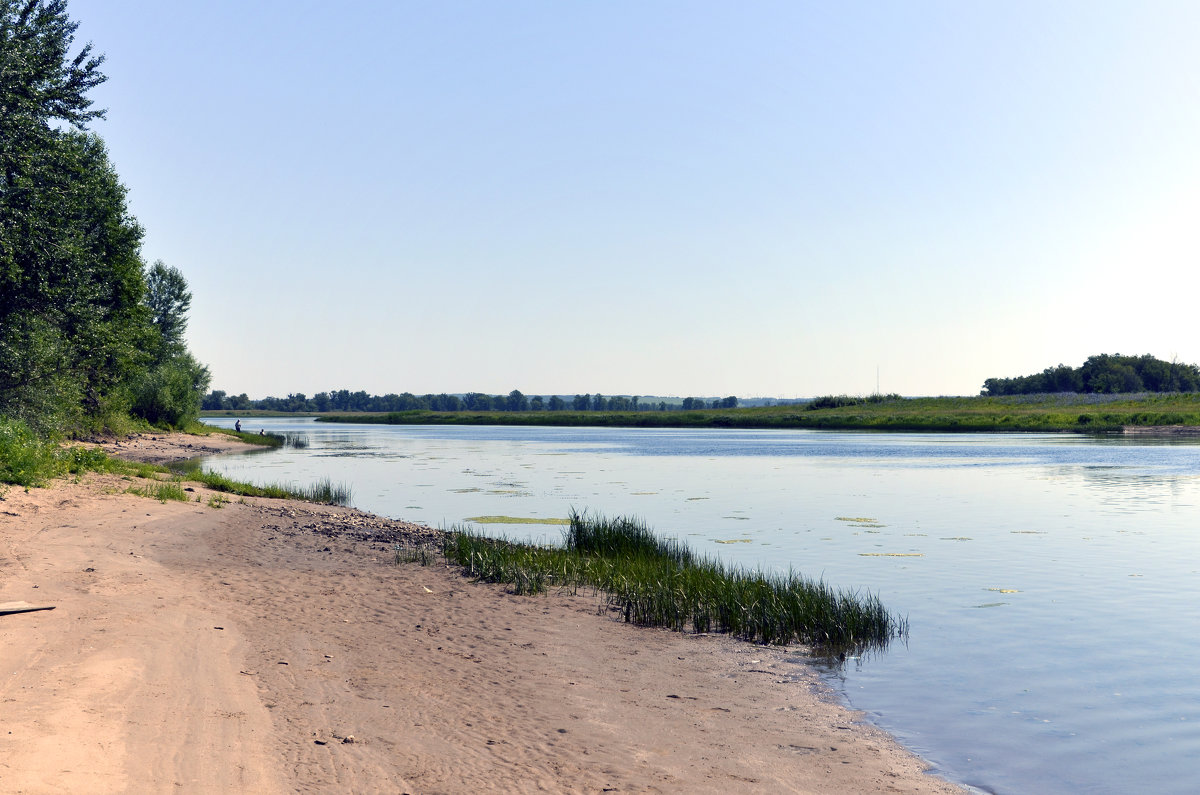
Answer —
(877, 379)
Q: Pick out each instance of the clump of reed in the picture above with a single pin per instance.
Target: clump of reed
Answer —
(325, 491)
(660, 582)
(293, 439)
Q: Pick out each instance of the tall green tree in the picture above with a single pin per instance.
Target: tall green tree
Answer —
(72, 324)
(168, 299)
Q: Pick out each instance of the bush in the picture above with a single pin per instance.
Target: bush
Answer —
(170, 394)
(25, 459)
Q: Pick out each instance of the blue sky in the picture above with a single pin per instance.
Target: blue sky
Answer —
(672, 198)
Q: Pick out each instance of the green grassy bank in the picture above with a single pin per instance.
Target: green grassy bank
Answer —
(1065, 412)
(29, 461)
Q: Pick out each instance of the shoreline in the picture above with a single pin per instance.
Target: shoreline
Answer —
(272, 646)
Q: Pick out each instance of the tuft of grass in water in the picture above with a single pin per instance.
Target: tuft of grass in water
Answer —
(660, 582)
(325, 491)
(298, 441)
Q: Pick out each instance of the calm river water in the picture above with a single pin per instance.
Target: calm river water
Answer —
(1052, 582)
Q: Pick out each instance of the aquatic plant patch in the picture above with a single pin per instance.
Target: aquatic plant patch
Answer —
(653, 581)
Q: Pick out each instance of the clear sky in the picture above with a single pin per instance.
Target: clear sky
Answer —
(671, 198)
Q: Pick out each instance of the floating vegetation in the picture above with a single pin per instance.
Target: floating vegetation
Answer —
(892, 554)
(509, 492)
(990, 604)
(867, 524)
(1002, 590)
(957, 538)
(916, 535)
(862, 519)
(515, 520)
(733, 541)
(465, 491)
(661, 582)
(694, 499)
(738, 518)
(643, 493)
(1029, 532)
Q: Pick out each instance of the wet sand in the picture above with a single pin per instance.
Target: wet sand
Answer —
(273, 646)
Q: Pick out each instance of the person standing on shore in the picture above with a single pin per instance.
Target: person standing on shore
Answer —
(237, 426)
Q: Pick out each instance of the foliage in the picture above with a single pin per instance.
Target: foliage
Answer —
(1103, 374)
(25, 459)
(169, 394)
(76, 338)
(840, 401)
(513, 402)
(168, 299)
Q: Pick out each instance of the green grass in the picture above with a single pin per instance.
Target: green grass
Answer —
(324, 491)
(657, 582)
(1064, 412)
(264, 440)
(29, 461)
(170, 490)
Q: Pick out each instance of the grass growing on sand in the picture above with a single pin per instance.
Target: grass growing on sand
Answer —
(170, 490)
(323, 491)
(661, 582)
(29, 461)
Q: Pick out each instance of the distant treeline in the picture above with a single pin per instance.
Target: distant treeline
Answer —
(345, 400)
(1103, 374)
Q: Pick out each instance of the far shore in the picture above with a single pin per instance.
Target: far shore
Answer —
(1163, 414)
(229, 645)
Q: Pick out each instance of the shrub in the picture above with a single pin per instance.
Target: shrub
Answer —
(170, 395)
(25, 459)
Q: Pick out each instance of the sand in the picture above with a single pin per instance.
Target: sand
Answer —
(273, 646)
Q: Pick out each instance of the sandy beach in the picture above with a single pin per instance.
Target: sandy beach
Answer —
(273, 646)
